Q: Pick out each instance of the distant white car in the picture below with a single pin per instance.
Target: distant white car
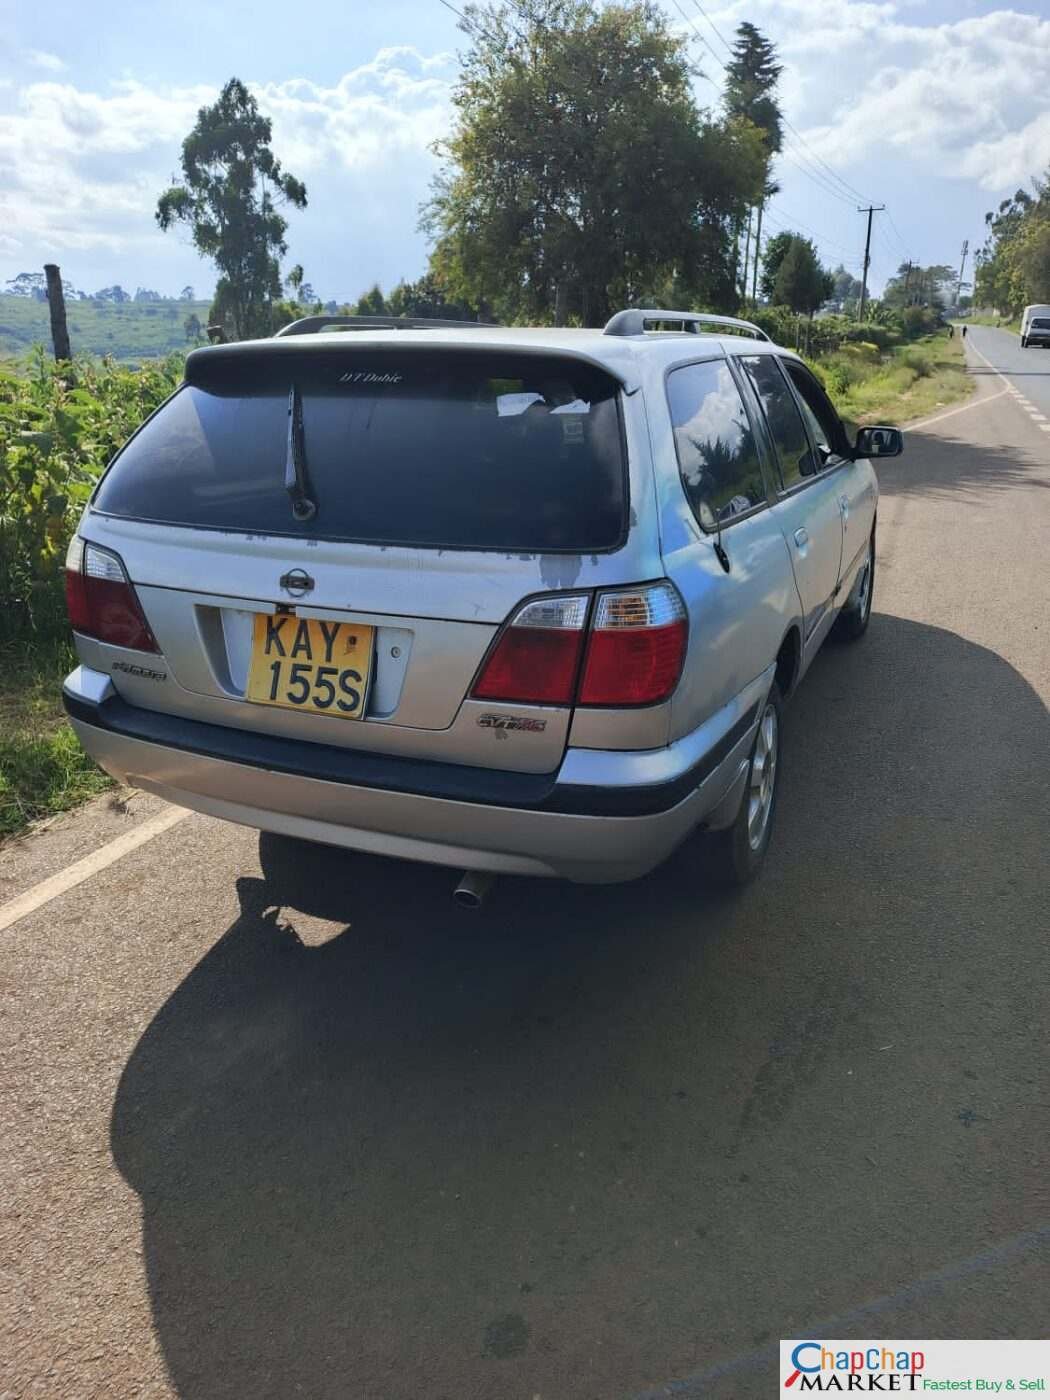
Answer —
(1035, 326)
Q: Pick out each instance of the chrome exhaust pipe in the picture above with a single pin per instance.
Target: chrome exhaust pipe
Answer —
(473, 886)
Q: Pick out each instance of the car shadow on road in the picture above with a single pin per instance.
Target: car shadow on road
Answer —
(437, 1154)
(934, 464)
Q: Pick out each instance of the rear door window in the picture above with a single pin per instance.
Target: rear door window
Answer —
(717, 454)
(440, 449)
(783, 418)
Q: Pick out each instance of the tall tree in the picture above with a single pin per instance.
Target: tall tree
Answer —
(776, 251)
(232, 188)
(913, 285)
(579, 174)
(846, 287)
(372, 303)
(752, 75)
(801, 282)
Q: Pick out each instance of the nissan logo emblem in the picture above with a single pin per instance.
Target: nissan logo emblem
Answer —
(297, 582)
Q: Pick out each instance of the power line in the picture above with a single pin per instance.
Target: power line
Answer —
(696, 30)
(831, 242)
(897, 234)
(714, 26)
(853, 194)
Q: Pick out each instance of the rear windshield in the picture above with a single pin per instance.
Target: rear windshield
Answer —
(1040, 322)
(470, 451)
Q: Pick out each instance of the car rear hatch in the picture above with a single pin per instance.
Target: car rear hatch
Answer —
(375, 512)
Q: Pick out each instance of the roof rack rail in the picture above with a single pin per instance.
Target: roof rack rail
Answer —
(312, 325)
(635, 321)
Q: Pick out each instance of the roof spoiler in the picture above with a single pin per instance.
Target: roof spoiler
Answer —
(637, 322)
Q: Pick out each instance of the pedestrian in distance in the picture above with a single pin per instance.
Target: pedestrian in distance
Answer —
(951, 331)
(964, 332)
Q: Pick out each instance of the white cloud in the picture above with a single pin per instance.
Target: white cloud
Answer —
(964, 98)
(81, 170)
(39, 59)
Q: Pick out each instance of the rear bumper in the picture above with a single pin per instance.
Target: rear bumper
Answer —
(604, 816)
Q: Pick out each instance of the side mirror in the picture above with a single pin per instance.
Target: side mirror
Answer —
(879, 442)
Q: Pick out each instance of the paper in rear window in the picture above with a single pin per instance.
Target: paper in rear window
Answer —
(430, 448)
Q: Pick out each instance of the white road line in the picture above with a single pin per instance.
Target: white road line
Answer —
(1012, 388)
(950, 412)
(1039, 417)
(82, 870)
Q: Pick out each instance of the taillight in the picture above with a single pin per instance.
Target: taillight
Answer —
(537, 656)
(101, 601)
(634, 653)
(637, 647)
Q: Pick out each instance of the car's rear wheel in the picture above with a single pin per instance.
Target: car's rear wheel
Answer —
(855, 614)
(742, 847)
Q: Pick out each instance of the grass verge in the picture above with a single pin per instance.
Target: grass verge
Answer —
(897, 385)
(43, 769)
(999, 322)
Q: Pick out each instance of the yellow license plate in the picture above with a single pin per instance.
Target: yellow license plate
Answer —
(303, 663)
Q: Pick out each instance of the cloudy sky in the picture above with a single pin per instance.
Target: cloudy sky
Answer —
(937, 108)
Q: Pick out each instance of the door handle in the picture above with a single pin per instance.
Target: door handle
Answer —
(802, 537)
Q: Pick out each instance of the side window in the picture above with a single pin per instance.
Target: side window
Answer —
(823, 422)
(717, 454)
(783, 417)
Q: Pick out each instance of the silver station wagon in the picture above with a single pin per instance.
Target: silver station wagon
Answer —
(505, 600)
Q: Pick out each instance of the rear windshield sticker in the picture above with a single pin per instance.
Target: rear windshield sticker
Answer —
(370, 376)
(577, 406)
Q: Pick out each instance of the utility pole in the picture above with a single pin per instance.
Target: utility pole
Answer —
(870, 210)
(907, 285)
(962, 265)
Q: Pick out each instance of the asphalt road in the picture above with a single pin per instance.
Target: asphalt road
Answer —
(277, 1121)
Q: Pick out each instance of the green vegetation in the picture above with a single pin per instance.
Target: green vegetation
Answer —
(131, 331)
(59, 426)
(43, 769)
(898, 384)
(1013, 267)
(580, 176)
(988, 318)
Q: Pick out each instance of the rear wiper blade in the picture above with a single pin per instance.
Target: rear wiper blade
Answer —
(296, 482)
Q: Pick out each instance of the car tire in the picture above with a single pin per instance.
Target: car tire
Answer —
(741, 849)
(855, 613)
(1024, 343)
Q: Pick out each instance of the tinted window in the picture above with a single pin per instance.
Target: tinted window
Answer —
(823, 422)
(783, 417)
(716, 448)
(417, 448)
(1040, 323)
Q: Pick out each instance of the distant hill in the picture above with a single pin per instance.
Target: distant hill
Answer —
(135, 330)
